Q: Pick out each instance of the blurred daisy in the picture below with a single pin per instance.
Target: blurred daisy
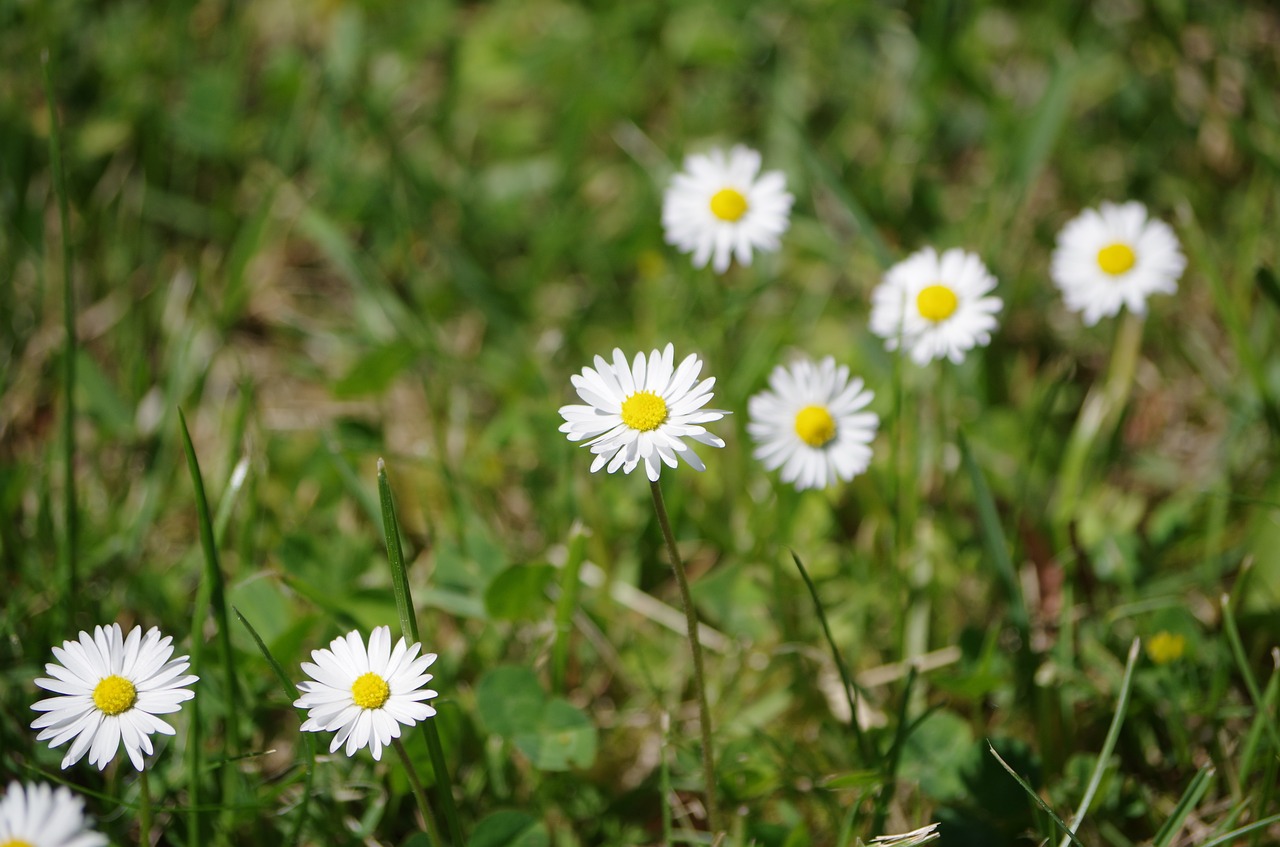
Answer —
(1115, 256)
(935, 305)
(40, 816)
(717, 208)
(364, 695)
(111, 690)
(811, 424)
(642, 412)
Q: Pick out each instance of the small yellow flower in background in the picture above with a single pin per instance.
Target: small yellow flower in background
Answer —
(364, 695)
(112, 689)
(1115, 256)
(717, 209)
(1165, 647)
(36, 815)
(935, 305)
(642, 412)
(811, 424)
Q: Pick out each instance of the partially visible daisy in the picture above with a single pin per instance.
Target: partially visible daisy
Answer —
(717, 208)
(1115, 256)
(111, 690)
(935, 305)
(642, 412)
(364, 695)
(812, 424)
(37, 815)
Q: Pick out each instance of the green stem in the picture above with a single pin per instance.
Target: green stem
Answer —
(1098, 417)
(144, 812)
(695, 647)
(419, 794)
(69, 564)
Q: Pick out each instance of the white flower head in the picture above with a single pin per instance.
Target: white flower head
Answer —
(717, 207)
(37, 815)
(111, 689)
(642, 412)
(812, 423)
(1115, 256)
(364, 695)
(935, 306)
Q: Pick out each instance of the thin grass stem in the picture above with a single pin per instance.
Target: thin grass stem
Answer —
(144, 809)
(1237, 650)
(695, 647)
(419, 793)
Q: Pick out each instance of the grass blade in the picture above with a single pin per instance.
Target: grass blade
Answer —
(1232, 836)
(292, 693)
(828, 178)
(409, 628)
(1108, 745)
(1237, 650)
(1031, 792)
(1190, 800)
(567, 604)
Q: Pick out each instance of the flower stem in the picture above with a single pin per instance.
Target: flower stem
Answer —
(419, 794)
(144, 812)
(695, 647)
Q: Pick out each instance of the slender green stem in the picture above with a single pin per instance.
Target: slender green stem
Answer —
(419, 793)
(1242, 661)
(695, 647)
(144, 811)
(664, 778)
(409, 629)
(69, 548)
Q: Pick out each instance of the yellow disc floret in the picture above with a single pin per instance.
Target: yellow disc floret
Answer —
(370, 691)
(1115, 259)
(114, 695)
(16, 842)
(1165, 647)
(936, 303)
(727, 204)
(815, 426)
(644, 411)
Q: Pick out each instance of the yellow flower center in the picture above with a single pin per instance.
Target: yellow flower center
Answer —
(114, 695)
(936, 303)
(728, 205)
(1115, 259)
(370, 691)
(644, 411)
(1165, 647)
(17, 842)
(815, 426)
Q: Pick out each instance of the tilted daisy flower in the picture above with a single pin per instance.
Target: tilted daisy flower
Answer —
(935, 306)
(364, 695)
(642, 412)
(717, 208)
(37, 815)
(1115, 256)
(111, 688)
(811, 423)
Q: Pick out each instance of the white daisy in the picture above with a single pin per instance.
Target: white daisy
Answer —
(40, 816)
(642, 412)
(365, 695)
(935, 305)
(112, 688)
(1115, 256)
(716, 207)
(811, 424)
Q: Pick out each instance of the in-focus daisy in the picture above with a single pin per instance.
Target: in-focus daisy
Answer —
(111, 688)
(812, 424)
(642, 412)
(1115, 256)
(364, 695)
(37, 815)
(935, 305)
(717, 208)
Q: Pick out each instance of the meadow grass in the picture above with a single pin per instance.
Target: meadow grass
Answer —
(294, 238)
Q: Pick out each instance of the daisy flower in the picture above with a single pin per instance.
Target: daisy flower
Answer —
(364, 695)
(37, 815)
(1115, 256)
(811, 424)
(935, 305)
(642, 412)
(111, 688)
(716, 208)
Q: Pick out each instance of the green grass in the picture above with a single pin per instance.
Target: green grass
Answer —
(335, 232)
